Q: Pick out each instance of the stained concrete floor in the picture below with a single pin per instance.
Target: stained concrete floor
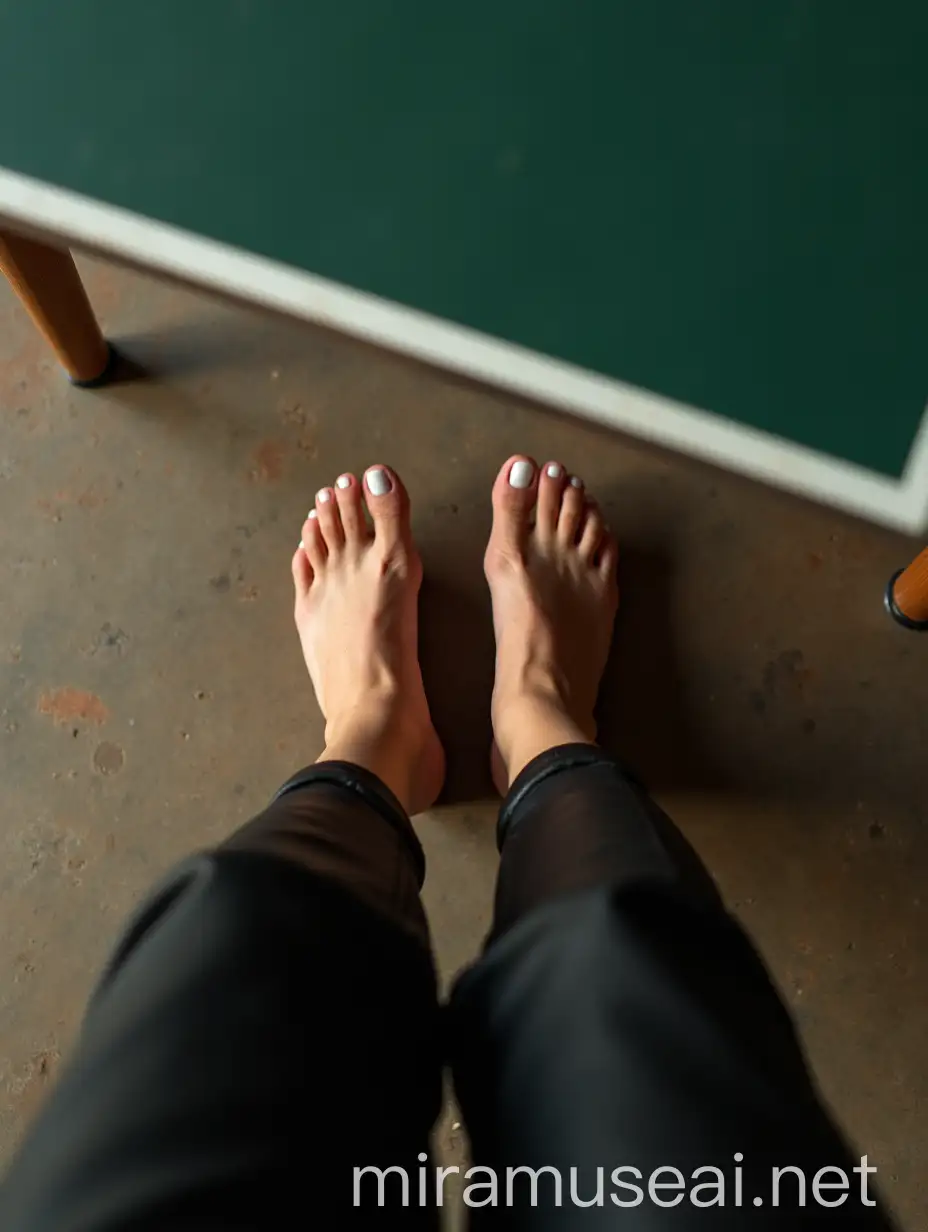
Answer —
(152, 693)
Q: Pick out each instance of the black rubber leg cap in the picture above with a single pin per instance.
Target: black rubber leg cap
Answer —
(920, 626)
(97, 381)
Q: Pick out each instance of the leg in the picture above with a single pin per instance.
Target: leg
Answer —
(907, 594)
(618, 1022)
(269, 1022)
(47, 282)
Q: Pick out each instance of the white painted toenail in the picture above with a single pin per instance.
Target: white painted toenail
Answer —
(553, 471)
(301, 543)
(378, 482)
(576, 482)
(521, 474)
(323, 495)
(343, 481)
(312, 514)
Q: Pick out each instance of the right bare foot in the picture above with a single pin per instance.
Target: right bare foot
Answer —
(555, 596)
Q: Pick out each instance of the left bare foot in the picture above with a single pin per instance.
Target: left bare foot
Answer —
(356, 612)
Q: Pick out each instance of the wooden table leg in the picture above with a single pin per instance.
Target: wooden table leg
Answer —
(47, 282)
(907, 594)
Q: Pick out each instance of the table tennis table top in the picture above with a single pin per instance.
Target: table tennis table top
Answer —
(703, 224)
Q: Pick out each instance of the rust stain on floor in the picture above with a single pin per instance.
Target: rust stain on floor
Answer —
(267, 462)
(89, 498)
(66, 705)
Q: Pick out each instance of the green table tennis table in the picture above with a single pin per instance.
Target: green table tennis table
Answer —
(702, 223)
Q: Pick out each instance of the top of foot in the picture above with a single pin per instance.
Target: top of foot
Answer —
(357, 585)
(551, 567)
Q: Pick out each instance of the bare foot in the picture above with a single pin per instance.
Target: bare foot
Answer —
(551, 567)
(356, 613)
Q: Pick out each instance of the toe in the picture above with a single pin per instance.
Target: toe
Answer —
(608, 558)
(550, 486)
(330, 522)
(572, 503)
(388, 504)
(313, 542)
(592, 531)
(348, 499)
(302, 573)
(514, 495)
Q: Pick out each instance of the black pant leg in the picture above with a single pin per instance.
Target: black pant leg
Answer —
(267, 1024)
(620, 1018)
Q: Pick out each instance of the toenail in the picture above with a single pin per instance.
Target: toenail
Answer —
(323, 495)
(378, 482)
(521, 474)
(301, 543)
(343, 481)
(576, 482)
(312, 514)
(553, 471)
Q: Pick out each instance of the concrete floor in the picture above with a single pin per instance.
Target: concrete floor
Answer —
(152, 693)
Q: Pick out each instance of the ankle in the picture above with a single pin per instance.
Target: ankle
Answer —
(535, 686)
(381, 735)
(530, 721)
(382, 730)
(366, 717)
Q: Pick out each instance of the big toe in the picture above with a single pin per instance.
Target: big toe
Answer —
(514, 494)
(388, 504)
